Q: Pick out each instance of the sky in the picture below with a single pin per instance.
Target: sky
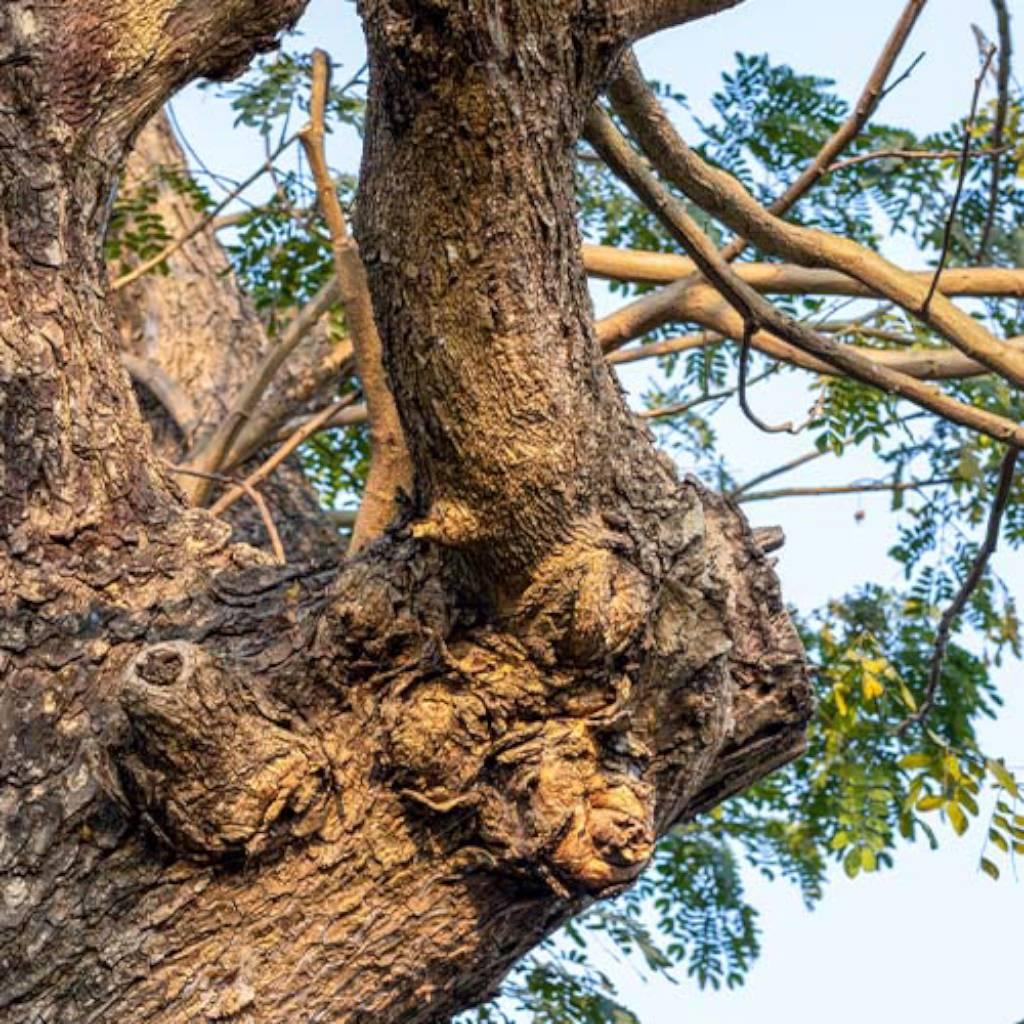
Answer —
(934, 939)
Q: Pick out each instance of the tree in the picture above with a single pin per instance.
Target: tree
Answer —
(362, 789)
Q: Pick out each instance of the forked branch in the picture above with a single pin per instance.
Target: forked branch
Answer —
(758, 313)
(723, 197)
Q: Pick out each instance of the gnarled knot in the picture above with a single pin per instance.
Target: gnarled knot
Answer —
(580, 810)
(610, 840)
(450, 523)
(586, 603)
(213, 764)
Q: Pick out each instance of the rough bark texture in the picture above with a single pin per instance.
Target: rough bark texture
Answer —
(234, 791)
(192, 326)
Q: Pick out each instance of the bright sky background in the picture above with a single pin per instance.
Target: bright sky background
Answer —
(933, 940)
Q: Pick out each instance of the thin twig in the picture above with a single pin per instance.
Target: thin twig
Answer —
(870, 488)
(254, 496)
(787, 467)
(999, 127)
(912, 154)
(970, 584)
(965, 159)
(900, 79)
(200, 226)
(783, 428)
(306, 431)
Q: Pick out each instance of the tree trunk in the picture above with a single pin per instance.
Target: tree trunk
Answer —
(191, 340)
(235, 791)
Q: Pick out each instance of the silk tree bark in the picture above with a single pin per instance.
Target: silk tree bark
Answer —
(358, 792)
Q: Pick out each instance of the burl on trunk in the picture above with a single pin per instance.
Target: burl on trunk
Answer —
(359, 791)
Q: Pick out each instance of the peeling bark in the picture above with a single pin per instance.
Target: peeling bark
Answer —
(358, 792)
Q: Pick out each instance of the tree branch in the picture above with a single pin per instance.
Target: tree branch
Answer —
(650, 16)
(702, 304)
(999, 127)
(615, 264)
(391, 468)
(755, 311)
(815, 492)
(970, 584)
(298, 438)
(215, 453)
(965, 159)
(786, 467)
(725, 198)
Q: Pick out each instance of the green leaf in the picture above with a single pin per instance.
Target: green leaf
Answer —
(998, 839)
(852, 863)
(990, 869)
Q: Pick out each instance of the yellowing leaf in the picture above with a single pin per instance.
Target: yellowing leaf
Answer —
(872, 686)
(1004, 777)
(957, 818)
(840, 701)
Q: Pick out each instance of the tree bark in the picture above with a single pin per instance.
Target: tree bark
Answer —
(356, 792)
(192, 325)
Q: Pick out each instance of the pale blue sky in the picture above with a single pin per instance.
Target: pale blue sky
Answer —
(932, 940)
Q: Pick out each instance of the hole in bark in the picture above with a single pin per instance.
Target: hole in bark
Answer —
(161, 667)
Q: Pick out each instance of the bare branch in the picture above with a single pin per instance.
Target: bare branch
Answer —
(352, 416)
(965, 159)
(615, 264)
(912, 155)
(999, 127)
(215, 452)
(756, 311)
(725, 198)
(650, 16)
(970, 584)
(702, 304)
(391, 468)
(274, 419)
(786, 467)
(817, 492)
(303, 434)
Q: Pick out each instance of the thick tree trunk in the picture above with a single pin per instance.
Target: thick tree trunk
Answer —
(232, 791)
